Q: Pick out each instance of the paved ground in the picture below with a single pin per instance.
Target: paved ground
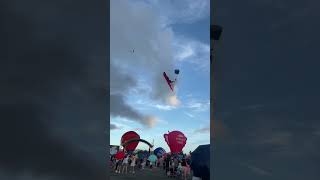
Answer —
(146, 174)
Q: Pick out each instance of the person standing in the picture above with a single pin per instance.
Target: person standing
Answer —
(186, 169)
(172, 167)
(125, 164)
(176, 164)
(184, 165)
(167, 165)
(143, 164)
(133, 163)
(164, 163)
(140, 161)
(118, 164)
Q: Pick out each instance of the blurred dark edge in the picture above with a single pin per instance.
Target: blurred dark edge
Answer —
(212, 22)
(104, 53)
(108, 83)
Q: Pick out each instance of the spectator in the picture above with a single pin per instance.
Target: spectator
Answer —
(125, 164)
(143, 164)
(167, 165)
(133, 163)
(118, 164)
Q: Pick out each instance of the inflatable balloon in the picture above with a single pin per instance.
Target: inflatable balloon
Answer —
(152, 158)
(176, 141)
(140, 155)
(159, 151)
(120, 155)
(130, 135)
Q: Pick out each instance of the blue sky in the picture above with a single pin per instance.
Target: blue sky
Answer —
(165, 35)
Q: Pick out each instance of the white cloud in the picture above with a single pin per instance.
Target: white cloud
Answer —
(173, 100)
(145, 28)
(147, 104)
(161, 121)
(203, 130)
(185, 52)
(196, 139)
(192, 51)
(164, 107)
(198, 105)
(134, 25)
(142, 87)
(186, 11)
(189, 114)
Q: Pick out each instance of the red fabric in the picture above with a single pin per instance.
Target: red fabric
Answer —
(176, 141)
(129, 136)
(119, 155)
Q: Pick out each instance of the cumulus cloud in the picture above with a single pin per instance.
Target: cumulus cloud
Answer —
(147, 104)
(136, 26)
(187, 11)
(139, 26)
(121, 83)
(173, 100)
(192, 51)
(198, 105)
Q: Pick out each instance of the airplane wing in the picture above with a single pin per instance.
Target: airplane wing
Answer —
(168, 80)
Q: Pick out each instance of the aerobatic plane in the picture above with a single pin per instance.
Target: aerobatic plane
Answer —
(171, 83)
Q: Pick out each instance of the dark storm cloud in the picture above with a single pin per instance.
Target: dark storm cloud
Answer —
(266, 91)
(121, 85)
(53, 89)
(119, 108)
(114, 127)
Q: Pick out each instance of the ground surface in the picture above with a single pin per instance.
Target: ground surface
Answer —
(146, 174)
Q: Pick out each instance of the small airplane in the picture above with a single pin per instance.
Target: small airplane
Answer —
(170, 82)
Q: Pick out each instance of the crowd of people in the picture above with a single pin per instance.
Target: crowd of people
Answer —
(172, 166)
(122, 165)
(176, 167)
